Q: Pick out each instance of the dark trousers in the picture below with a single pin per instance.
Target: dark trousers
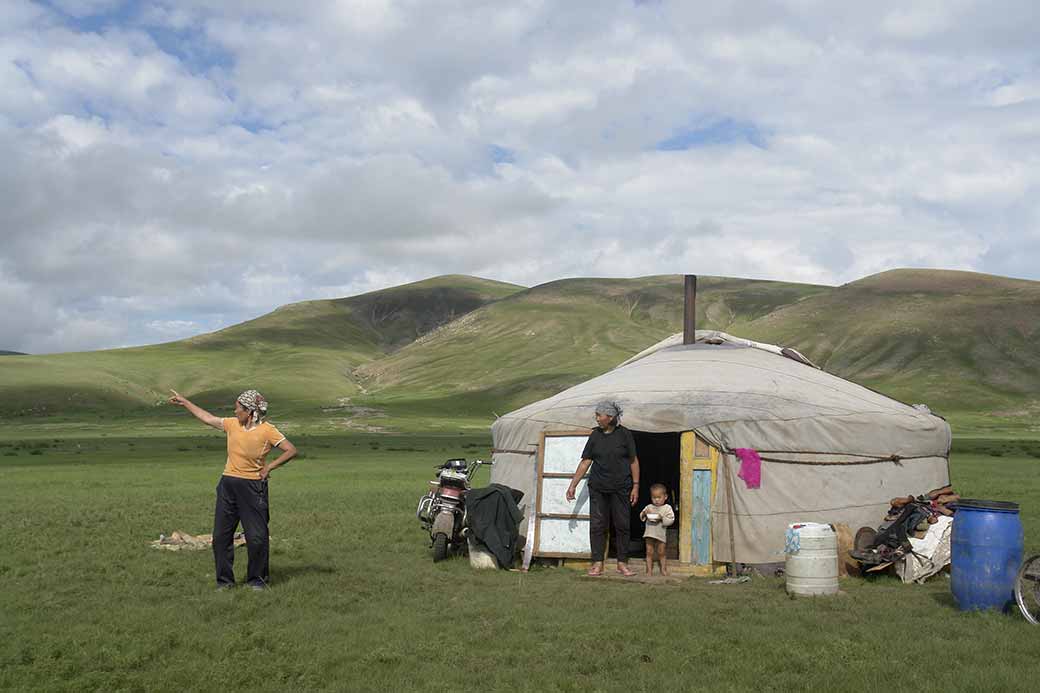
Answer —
(242, 500)
(609, 508)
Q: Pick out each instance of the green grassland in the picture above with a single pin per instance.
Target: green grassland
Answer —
(357, 604)
(375, 390)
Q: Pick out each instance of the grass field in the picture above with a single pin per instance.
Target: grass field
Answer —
(357, 604)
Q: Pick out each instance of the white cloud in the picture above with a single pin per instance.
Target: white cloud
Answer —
(75, 133)
(1014, 93)
(199, 162)
(369, 16)
(920, 21)
(553, 106)
(171, 330)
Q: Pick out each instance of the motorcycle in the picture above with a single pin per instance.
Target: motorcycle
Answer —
(442, 511)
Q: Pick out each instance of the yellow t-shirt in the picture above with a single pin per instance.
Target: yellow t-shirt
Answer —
(246, 450)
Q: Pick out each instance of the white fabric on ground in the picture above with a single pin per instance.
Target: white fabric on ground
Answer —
(930, 554)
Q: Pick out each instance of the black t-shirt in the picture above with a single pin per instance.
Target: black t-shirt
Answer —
(612, 454)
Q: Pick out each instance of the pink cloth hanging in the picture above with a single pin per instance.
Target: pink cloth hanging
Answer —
(750, 467)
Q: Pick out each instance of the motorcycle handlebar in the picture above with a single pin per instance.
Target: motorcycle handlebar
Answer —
(474, 462)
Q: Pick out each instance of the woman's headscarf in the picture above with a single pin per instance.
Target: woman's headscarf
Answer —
(255, 404)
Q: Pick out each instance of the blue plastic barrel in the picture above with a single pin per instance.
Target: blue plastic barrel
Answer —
(986, 554)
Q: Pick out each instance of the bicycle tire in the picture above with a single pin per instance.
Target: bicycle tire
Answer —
(1027, 589)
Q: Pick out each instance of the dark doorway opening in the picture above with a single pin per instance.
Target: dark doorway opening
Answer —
(658, 464)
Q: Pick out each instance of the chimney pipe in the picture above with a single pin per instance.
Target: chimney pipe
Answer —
(690, 309)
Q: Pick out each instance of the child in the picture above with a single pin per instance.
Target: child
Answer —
(657, 516)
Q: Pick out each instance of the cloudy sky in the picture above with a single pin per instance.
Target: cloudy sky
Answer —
(174, 166)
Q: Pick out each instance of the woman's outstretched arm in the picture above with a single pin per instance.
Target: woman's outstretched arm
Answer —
(197, 411)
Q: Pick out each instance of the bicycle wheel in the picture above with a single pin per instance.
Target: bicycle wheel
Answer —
(1027, 589)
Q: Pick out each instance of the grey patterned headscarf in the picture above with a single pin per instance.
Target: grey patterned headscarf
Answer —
(255, 404)
(609, 408)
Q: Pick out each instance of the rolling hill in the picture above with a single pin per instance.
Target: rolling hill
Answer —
(539, 341)
(456, 346)
(302, 354)
(959, 341)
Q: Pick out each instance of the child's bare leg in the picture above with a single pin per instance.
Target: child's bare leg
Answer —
(662, 560)
(651, 554)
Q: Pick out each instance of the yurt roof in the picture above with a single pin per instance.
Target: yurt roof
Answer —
(738, 393)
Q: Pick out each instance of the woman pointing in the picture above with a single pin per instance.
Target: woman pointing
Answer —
(242, 492)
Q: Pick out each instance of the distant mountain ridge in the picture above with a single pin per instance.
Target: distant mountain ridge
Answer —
(378, 321)
(302, 354)
(962, 340)
(463, 346)
(536, 342)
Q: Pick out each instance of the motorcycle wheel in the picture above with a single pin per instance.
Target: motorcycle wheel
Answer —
(440, 547)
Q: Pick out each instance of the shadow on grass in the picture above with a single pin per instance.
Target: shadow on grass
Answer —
(283, 574)
(945, 599)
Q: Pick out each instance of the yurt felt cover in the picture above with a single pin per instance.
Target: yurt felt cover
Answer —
(832, 450)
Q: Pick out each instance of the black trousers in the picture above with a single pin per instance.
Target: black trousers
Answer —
(609, 509)
(242, 500)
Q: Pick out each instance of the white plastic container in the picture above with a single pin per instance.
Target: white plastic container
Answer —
(479, 557)
(812, 559)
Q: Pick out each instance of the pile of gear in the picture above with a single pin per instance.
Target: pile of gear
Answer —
(914, 528)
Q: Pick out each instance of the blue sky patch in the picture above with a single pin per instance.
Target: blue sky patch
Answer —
(190, 46)
(501, 155)
(122, 15)
(253, 124)
(724, 131)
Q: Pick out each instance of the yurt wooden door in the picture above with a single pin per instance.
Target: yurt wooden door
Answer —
(698, 466)
(561, 528)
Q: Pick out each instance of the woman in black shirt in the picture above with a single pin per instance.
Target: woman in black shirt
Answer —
(613, 485)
